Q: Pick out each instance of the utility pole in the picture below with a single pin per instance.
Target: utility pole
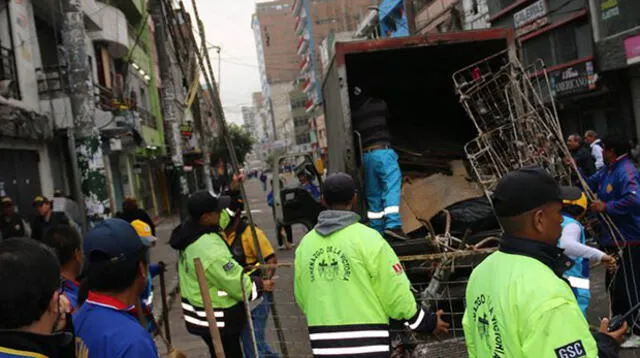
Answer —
(90, 183)
(219, 113)
(199, 117)
(170, 104)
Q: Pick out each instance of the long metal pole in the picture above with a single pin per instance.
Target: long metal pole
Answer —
(217, 104)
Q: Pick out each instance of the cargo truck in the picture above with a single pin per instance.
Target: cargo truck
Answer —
(429, 129)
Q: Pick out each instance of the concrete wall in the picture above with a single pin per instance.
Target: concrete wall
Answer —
(281, 107)
(476, 14)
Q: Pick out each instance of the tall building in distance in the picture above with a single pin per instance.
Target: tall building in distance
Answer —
(314, 21)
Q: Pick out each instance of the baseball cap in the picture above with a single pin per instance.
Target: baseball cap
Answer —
(338, 188)
(144, 231)
(39, 200)
(204, 201)
(112, 240)
(6, 201)
(528, 188)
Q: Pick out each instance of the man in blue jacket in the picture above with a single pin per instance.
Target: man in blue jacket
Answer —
(616, 185)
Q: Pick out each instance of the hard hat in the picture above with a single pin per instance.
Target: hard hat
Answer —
(144, 231)
(580, 202)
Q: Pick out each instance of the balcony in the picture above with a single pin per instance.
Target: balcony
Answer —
(108, 100)
(114, 31)
(146, 118)
(9, 87)
(52, 81)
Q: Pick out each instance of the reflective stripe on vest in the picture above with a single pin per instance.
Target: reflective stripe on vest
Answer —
(198, 316)
(349, 339)
(578, 282)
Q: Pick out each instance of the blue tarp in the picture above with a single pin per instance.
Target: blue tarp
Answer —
(387, 6)
(393, 20)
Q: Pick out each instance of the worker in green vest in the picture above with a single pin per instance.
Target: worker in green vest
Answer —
(349, 282)
(200, 237)
(517, 302)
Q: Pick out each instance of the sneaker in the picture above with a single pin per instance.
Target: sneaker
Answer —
(395, 234)
(631, 342)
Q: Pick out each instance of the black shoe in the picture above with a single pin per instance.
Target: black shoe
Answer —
(395, 234)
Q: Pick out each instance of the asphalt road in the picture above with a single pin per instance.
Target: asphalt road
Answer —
(293, 323)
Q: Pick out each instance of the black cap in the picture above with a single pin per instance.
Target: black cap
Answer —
(204, 201)
(338, 188)
(526, 189)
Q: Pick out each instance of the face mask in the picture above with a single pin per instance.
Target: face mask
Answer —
(224, 219)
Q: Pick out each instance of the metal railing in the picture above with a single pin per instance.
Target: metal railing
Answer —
(147, 118)
(8, 74)
(108, 100)
(52, 80)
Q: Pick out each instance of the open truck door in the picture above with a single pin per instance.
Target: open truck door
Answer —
(292, 204)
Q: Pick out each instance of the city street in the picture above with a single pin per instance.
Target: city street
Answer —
(293, 323)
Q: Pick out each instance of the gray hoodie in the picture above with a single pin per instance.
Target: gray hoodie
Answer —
(331, 221)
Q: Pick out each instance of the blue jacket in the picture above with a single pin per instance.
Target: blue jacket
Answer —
(106, 328)
(617, 186)
(71, 290)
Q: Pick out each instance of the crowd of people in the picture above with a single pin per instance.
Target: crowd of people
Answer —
(70, 296)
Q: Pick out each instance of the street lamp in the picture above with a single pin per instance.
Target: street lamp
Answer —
(218, 49)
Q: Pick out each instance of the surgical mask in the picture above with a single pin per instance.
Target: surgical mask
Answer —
(225, 219)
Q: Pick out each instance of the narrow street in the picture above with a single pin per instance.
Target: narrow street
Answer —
(293, 323)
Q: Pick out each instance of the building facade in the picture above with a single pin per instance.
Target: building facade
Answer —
(616, 28)
(586, 97)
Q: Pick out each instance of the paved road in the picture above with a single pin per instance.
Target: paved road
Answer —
(294, 326)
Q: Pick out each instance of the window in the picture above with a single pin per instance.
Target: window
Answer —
(560, 45)
(538, 48)
(565, 44)
(143, 98)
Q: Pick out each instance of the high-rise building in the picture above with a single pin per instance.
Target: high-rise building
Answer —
(314, 21)
(273, 21)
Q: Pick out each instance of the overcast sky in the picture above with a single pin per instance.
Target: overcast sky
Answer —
(228, 25)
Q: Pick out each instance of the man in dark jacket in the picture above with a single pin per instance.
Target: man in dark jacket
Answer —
(581, 156)
(47, 218)
(32, 308)
(11, 223)
(131, 212)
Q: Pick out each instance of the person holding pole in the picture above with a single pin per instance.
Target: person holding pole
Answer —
(240, 239)
(200, 237)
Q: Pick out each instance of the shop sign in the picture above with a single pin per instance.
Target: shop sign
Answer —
(186, 129)
(573, 80)
(531, 18)
(609, 9)
(632, 49)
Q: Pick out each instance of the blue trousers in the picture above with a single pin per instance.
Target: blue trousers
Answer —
(259, 316)
(383, 181)
(582, 296)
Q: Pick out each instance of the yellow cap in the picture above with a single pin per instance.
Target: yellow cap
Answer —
(144, 231)
(581, 202)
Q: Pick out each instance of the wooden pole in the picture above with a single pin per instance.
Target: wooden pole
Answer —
(165, 306)
(208, 307)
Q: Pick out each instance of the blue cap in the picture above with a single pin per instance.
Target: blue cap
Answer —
(112, 240)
